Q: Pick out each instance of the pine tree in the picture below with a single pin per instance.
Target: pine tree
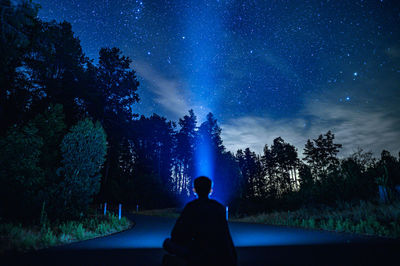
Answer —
(321, 155)
(184, 164)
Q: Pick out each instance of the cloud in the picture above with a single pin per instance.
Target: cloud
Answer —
(255, 132)
(369, 120)
(371, 130)
(169, 93)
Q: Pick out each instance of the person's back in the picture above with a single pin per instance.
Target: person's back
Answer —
(203, 231)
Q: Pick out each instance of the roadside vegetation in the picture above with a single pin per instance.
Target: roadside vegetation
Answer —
(361, 218)
(18, 237)
(169, 212)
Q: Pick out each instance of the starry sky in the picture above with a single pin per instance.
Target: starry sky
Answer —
(265, 69)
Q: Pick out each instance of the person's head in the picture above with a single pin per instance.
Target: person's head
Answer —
(202, 186)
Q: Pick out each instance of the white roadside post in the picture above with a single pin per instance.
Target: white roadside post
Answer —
(119, 211)
(105, 208)
(227, 213)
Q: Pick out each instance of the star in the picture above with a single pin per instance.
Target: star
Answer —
(235, 61)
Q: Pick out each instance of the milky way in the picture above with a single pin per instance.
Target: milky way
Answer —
(265, 68)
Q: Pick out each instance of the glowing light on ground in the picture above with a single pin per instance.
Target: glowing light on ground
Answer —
(150, 232)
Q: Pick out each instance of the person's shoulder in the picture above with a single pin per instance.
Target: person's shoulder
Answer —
(190, 204)
(189, 207)
(193, 203)
(213, 201)
(216, 204)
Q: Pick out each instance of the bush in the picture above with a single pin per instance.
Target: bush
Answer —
(83, 153)
(17, 237)
(20, 175)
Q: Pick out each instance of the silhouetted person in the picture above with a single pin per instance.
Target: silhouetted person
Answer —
(201, 234)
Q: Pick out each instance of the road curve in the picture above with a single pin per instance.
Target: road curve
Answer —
(256, 244)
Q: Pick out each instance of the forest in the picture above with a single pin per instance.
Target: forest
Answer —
(70, 138)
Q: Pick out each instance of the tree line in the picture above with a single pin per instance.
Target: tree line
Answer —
(279, 179)
(70, 136)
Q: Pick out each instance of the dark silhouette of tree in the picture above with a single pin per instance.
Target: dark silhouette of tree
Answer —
(251, 172)
(354, 183)
(184, 154)
(306, 183)
(222, 164)
(321, 155)
(208, 145)
(270, 171)
(153, 141)
(209, 133)
(285, 157)
(116, 87)
(227, 177)
(392, 166)
(17, 24)
(243, 181)
(56, 65)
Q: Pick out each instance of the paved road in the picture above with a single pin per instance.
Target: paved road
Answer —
(256, 245)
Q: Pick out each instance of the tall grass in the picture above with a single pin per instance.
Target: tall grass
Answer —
(169, 212)
(361, 218)
(17, 237)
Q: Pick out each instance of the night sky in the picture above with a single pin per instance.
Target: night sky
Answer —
(265, 68)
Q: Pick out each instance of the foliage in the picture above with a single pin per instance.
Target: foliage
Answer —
(148, 174)
(21, 238)
(21, 177)
(321, 155)
(83, 153)
(110, 99)
(31, 159)
(17, 23)
(51, 128)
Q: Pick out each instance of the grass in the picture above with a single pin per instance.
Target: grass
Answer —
(361, 218)
(19, 238)
(169, 212)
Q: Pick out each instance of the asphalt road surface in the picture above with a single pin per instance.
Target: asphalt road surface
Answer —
(256, 244)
